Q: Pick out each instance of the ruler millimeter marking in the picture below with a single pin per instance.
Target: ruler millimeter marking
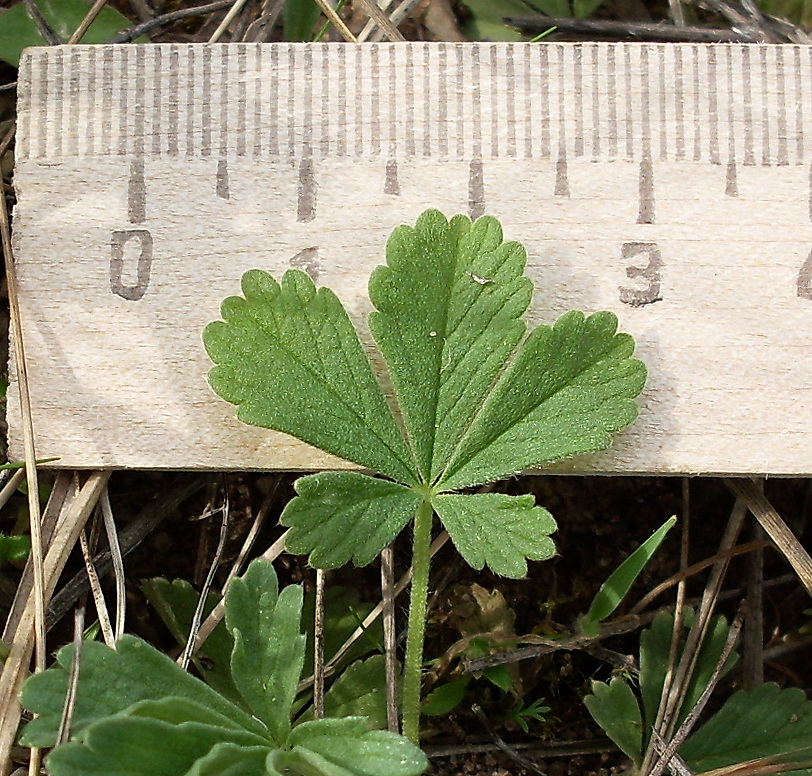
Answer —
(669, 183)
(724, 104)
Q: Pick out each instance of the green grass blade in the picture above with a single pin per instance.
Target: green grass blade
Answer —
(614, 590)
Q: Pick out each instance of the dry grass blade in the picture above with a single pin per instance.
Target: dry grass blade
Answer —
(330, 667)
(371, 32)
(58, 503)
(229, 17)
(135, 532)
(318, 648)
(191, 647)
(656, 592)
(80, 31)
(32, 478)
(118, 562)
(73, 680)
(336, 21)
(776, 529)
(217, 614)
(98, 596)
(389, 645)
(11, 486)
(15, 668)
(251, 537)
(663, 707)
(381, 20)
(692, 717)
(672, 700)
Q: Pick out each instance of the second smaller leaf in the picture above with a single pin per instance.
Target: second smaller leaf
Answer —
(497, 530)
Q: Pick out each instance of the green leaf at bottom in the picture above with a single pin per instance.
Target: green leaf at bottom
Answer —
(131, 746)
(346, 516)
(268, 646)
(614, 707)
(346, 747)
(232, 760)
(767, 721)
(497, 530)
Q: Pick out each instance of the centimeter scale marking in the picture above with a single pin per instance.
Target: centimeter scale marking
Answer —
(669, 183)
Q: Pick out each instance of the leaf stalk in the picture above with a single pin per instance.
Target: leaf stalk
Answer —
(418, 596)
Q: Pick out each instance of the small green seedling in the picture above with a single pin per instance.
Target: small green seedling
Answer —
(476, 399)
(614, 590)
(137, 713)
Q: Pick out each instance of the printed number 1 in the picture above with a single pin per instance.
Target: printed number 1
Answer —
(805, 279)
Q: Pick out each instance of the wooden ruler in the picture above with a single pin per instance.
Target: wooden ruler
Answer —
(668, 183)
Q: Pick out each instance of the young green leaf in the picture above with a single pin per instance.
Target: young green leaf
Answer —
(347, 747)
(569, 388)
(125, 745)
(232, 760)
(268, 646)
(448, 314)
(343, 516)
(497, 530)
(614, 590)
(445, 698)
(614, 707)
(767, 721)
(111, 681)
(288, 356)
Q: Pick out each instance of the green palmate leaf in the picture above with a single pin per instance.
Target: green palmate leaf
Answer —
(232, 760)
(111, 681)
(569, 388)
(288, 356)
(614, 707)
(126, 745)
(767, 721)
(345, 516)
(497, 530)
(448, 314)
(268, 646)
(347, 747)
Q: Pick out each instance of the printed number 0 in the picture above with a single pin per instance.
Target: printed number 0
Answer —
(805, 279)
(143, 267)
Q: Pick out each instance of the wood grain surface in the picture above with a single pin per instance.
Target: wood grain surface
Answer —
(668, 183)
